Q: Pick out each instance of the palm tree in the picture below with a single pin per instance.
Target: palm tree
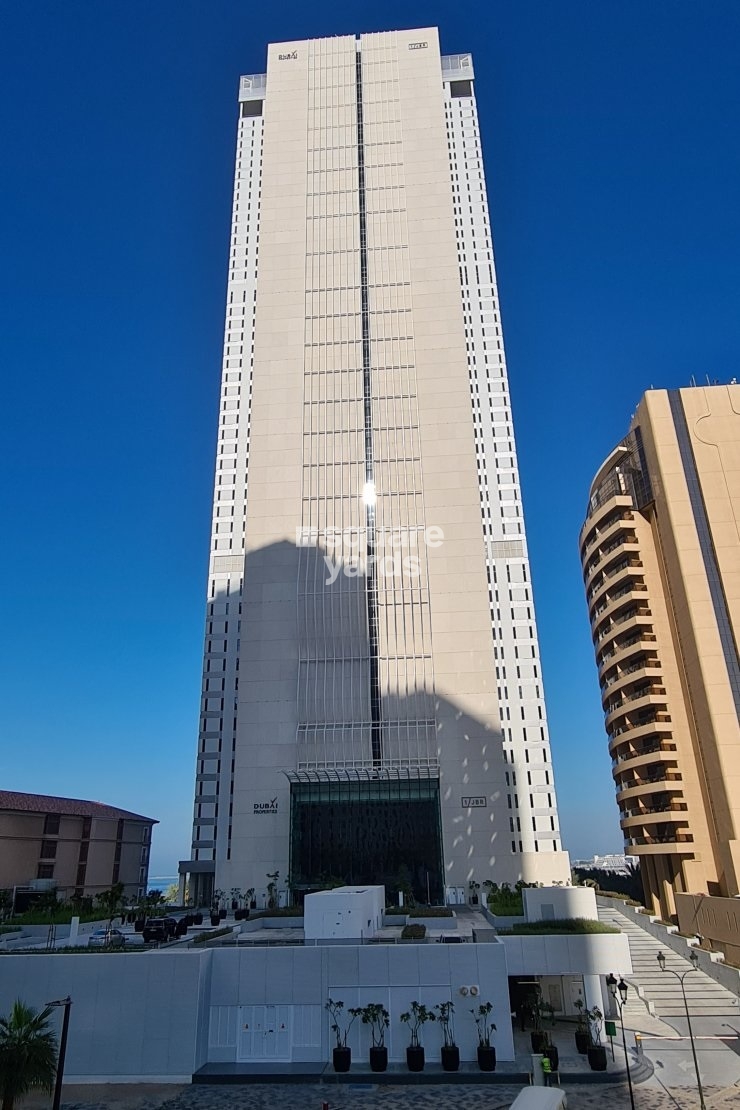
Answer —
(28, 1053)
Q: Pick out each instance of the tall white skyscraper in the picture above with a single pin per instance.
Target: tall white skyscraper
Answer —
(372, 704)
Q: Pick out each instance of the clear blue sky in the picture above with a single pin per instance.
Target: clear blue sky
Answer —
(610, 136)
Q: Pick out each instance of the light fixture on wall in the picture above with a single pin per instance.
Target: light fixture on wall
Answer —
(475, 991)
(464, 991)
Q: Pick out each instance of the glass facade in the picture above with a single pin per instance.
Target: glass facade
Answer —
(385, 831)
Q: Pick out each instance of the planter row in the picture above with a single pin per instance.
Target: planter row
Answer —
(415, 1058)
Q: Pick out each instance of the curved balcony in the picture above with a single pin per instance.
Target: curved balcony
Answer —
(632, 593)
(623, 547)
(611, 523)
(674, 812)
(680, 844)
(619, 652)
(624, 567)
(624, 622)
(653, 732)
(633, 703)
(612, 589)
(632, 760)
(670, 783)
(622, 680)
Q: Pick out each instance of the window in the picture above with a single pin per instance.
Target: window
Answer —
(48, 849)
(51, 824)
(45, 871)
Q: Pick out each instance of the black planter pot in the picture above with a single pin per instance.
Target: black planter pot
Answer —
(486, 1057)
(553, 1056)
(253, 904)
(239, 915)
(197, 919)
(378, 1059)
(341, 1058)
(450, 1057)
(597, 1057)
(582, 1042)
(415, 1058)
(539, 1041)
(215, 919)
(222, 914)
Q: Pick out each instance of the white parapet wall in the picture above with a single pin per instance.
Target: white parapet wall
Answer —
(159, 1016)
(568, 954)
(547, 902)
(344, 913)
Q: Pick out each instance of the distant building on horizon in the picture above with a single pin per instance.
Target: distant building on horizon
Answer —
(661, 559)
(74, 847)
(372, 697)
(612, 861)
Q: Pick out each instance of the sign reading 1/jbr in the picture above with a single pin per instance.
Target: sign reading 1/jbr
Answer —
(473, 803)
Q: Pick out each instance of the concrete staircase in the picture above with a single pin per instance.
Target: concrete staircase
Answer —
(660, 990)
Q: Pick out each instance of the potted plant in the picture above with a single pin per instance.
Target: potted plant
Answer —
(484, 1025)
(249, 897)
(341, 1054)
(552, 1053)
(596, 1050)
(272, 900)
(417, 1016)
(236, 897)
(583, 1034)
(538, 1037)
(377, 1017)
(450, 1051)
(473, 887)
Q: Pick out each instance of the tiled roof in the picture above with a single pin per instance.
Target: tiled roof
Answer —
(70, 807)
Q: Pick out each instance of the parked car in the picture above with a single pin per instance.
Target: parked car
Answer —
(106, 938)
(159, 929)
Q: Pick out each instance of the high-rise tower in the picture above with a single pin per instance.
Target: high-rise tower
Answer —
(372, 695)
(661, 563)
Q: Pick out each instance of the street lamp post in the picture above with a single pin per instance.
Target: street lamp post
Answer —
(694, 967)
(618, 991)
(67, 1004)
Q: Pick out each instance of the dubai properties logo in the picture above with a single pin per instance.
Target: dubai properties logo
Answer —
(266, 807)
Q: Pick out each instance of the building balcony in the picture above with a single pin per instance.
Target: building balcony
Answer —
(642, 671)
(619, 586)
(632, 758)
(652, 730)
(674, 812)
(623, 568)
(604, 524)
(612, 604)
(631, 705)
(619, 652)
(668, 782)
(609, 563)
(680, 844)
(632, 618)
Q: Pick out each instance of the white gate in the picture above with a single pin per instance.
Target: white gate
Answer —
(264, 1033)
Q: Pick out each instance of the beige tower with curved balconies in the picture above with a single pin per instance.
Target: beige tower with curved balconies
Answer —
(661, 564)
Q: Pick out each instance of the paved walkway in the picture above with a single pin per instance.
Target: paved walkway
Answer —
(369, 1097)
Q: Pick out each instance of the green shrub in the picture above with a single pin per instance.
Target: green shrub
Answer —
(504, 906)
(431, 911)
(413, 932)
(559, 925)
(214, 934)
